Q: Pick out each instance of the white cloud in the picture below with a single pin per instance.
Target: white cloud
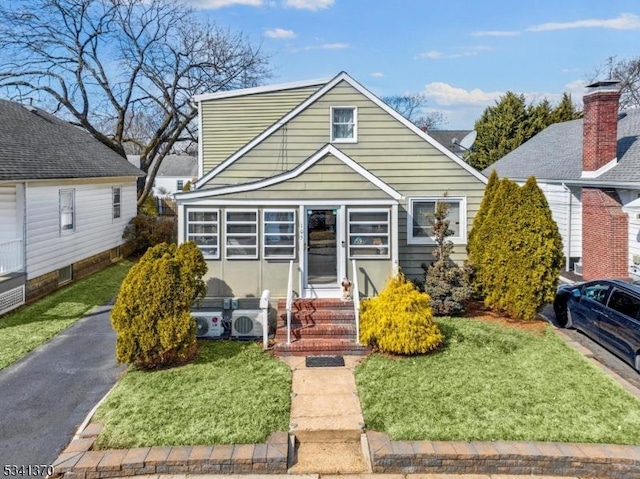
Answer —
(279, 33)
(462, 52)
(433, 54)
(377, 74)
(215, 4)
(496, 33)
(323, 46)
(625, 21)
(309, 4)
(445, 94)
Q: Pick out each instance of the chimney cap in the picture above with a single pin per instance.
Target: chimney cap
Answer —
(603, 85)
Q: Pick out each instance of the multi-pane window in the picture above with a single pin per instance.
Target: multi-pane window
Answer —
(421, 212)
(279, 237)
(203, 229)
(67, 210)
(241, 240)
(368, 233)
(117, 201)
(344, 124)
(179, 185)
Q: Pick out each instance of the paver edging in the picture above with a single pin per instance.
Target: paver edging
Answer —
(80, 461)
(503, 457)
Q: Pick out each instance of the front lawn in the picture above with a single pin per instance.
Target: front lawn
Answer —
(25, 329)
(232, 394)
(492, 382)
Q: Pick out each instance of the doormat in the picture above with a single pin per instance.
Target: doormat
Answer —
(324, 361)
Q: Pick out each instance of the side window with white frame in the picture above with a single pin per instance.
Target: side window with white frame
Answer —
(421, 217)
(279, 234)
(203, 226)
(241, 241)
(344, 124)
(368, 233)
(67, 211)
(116, 198)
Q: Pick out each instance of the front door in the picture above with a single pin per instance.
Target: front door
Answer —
(322, 251)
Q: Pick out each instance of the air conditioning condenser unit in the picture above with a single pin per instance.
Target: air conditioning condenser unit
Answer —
(246, 323)
(208, 324)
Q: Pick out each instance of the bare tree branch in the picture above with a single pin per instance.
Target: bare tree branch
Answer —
(412, 107)
(125, 70)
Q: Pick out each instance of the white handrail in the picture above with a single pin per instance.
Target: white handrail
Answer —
(289, 301)
(264, 306)
(356, 299)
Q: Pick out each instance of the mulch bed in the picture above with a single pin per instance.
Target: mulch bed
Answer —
(477, 310)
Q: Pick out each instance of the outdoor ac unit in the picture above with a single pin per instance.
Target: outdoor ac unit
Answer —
(577, 268)
(208, 324)
(246, 323)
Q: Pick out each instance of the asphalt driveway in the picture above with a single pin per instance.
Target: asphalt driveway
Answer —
(45, 396)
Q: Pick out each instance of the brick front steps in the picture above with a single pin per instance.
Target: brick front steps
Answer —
(318, 327)
(526, 458)
(78, 461)
(601, 461)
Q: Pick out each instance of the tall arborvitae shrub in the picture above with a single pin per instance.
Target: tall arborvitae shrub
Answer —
(445, 282)
(521, 257)
(399, 320)
(478, 233)
(535, 255)
(151, 316)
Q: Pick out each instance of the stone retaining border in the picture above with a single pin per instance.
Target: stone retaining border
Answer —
(537, 458)
(80, 461)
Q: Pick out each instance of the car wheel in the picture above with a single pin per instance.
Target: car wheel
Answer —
(562, 315)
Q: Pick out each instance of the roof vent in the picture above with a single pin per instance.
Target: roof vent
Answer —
(31, 108)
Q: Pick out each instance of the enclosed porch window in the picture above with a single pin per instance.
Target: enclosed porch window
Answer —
(203, 229)
(368, 233)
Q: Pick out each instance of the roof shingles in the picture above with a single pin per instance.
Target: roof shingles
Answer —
(36, 145)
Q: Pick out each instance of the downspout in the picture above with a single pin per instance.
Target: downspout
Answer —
(569, 222)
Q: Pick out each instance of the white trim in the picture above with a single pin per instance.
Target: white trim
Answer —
(387, 246)
(200, 143)
(395, 234)
(342, 76)
(353, 139)
(260, 89)
(312, 289)
(181, 224)
(297, 171)
(255, 235)
(293, 202)
(265, 234)
(599, 171)
(461, 239)
(182, 228)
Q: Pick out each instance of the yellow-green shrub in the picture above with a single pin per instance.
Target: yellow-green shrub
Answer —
(151, 316)
(399, 320)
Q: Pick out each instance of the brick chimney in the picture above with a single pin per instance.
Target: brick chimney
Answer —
(605, 227)
(600, 125)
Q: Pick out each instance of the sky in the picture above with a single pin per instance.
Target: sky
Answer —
(461, 54)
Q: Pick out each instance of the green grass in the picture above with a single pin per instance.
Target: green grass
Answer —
(233, 394)
(491, 382)
(25, 329)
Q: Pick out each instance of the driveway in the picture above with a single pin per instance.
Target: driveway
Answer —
(603, 356)
(45, 396)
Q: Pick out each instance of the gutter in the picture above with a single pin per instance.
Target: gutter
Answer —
(625, 185)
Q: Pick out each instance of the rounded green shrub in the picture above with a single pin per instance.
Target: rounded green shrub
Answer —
(399, 320)
(151, 317)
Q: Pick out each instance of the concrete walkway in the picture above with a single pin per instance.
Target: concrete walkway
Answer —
(326, 419)
(46, 395)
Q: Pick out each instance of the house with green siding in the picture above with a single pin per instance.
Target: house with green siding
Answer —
(321, 177)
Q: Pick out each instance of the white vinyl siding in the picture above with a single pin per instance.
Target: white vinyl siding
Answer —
(279, 234)
(95, 231)
(241, 234)
(566, 209)
(421, 215)
(368, 233)
(203, 228)
(10, 217)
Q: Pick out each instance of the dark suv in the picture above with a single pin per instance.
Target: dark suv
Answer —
(608, 311)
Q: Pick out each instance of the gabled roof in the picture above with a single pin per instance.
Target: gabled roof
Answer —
(447, 137)
(555, 154)
(295, 172)
(178, 166)
(260, 89)
(36, 145)
(343, 76)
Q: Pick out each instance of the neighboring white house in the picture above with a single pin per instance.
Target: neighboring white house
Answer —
(589, 170)
(65, 199)
(175, 171)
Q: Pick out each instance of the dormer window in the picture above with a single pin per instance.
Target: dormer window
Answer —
(344, 124)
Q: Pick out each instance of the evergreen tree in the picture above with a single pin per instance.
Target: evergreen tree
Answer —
(565, 110)
(445, 283)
